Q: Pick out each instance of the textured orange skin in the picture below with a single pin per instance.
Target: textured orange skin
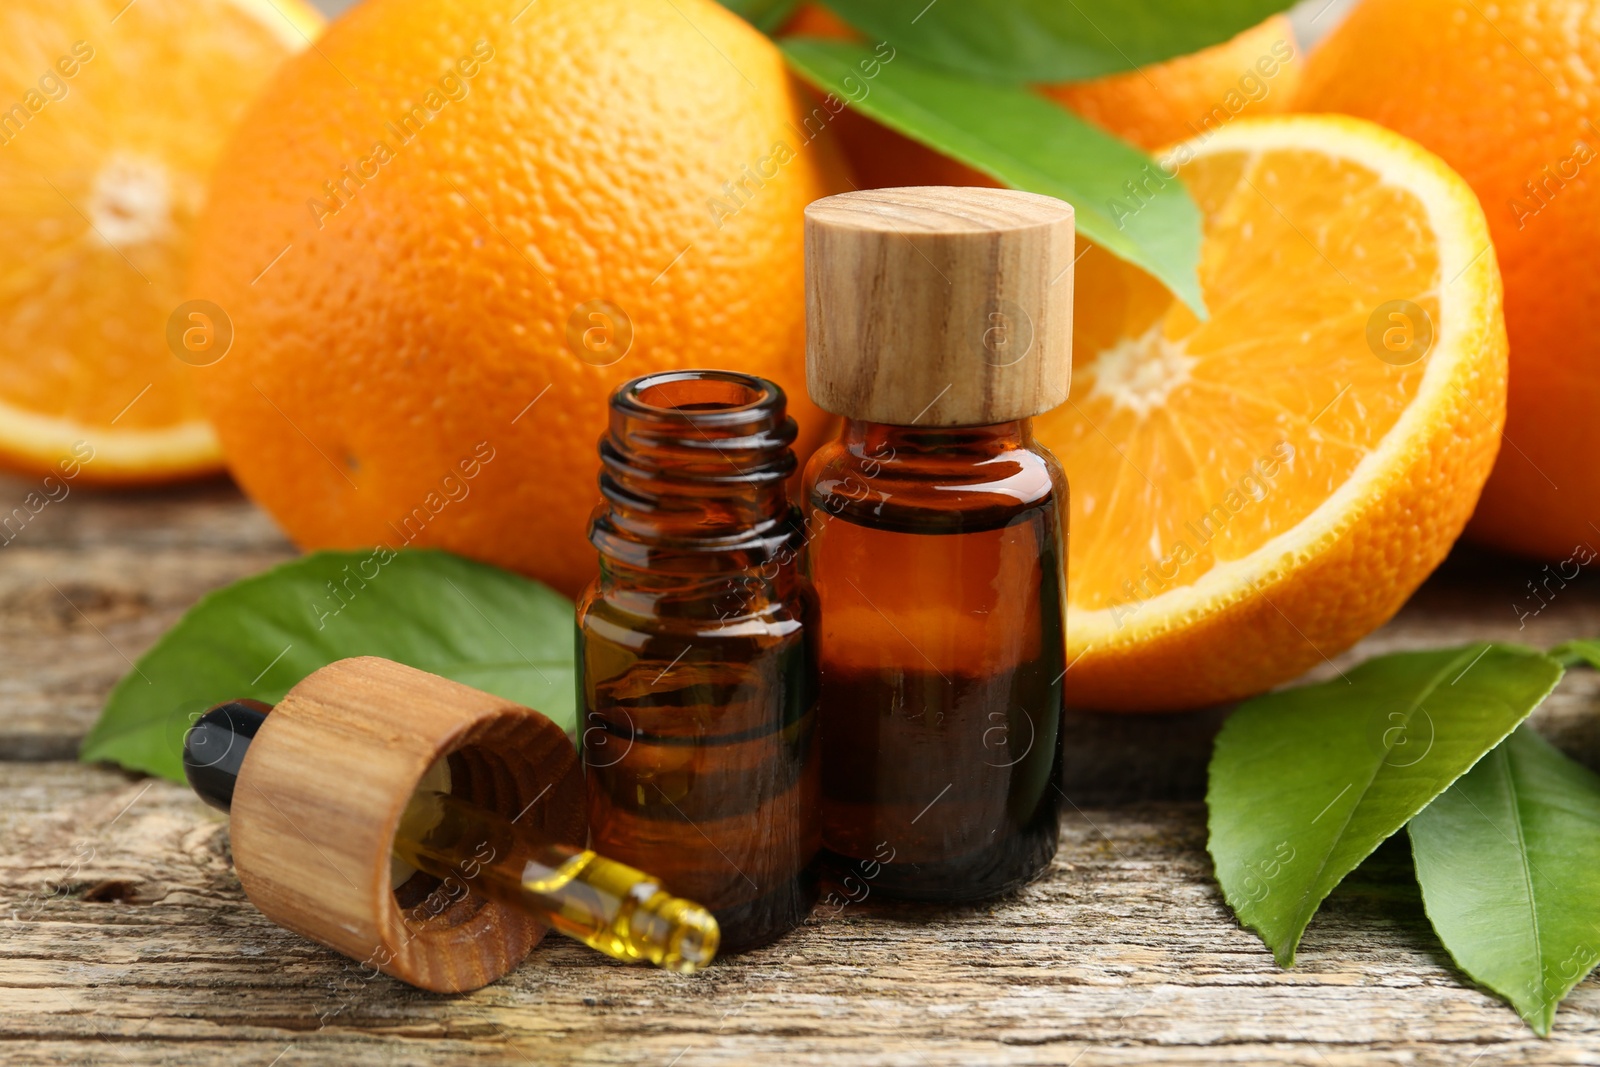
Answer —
(412, 331)
(1476, 93)
(1153, 107)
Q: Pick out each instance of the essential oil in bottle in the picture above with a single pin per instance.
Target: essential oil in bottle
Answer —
(938, 323)
(697, 653)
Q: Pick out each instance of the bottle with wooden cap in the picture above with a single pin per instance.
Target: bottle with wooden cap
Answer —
(939, 321)
(697, 653)
(425, 829)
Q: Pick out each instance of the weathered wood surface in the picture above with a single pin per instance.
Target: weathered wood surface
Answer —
(124, 937)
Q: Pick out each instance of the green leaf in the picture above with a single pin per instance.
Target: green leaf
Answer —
(1306, 782)
(1048, 40)
(1509, 862)
(764, 15)
(1027, 142)
(256, 638)
(1576, 652)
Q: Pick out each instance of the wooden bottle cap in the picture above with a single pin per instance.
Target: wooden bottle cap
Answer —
(317, 804)
(936, 306)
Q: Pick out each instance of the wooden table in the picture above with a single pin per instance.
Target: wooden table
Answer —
(129, 940)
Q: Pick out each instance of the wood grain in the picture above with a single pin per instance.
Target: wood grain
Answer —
(1123, 954)
(92, 581)
(125, 937)
(938, 306)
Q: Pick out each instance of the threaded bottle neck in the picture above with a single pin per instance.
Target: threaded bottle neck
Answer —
(693, 472)
(962, 443)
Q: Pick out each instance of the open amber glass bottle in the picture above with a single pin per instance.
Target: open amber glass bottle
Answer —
(939, 323)
(696, 653)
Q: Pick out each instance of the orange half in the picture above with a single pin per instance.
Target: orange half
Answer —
(111, 116)
(1253, 493)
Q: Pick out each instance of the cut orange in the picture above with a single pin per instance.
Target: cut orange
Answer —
(111, 116)
(1506, 93)
(1253, 493)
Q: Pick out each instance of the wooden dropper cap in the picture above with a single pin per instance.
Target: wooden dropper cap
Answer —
(315, 809)
(936, 306)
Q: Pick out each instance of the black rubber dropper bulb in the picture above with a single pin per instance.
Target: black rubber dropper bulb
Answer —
(215, 747)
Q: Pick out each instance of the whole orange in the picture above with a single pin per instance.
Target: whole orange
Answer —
(1255, 73)
(448, 232)
(1509, 95)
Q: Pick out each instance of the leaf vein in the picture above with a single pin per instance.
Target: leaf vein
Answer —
(1427, 690)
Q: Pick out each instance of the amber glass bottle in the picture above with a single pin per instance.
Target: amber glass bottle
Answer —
(936, 534)
(697, 653)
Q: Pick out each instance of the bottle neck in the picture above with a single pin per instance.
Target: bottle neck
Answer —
(693, 472)
(915, 479)
(935, 443)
